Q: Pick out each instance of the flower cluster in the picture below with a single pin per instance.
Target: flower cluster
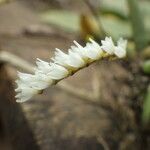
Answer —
(64, 65)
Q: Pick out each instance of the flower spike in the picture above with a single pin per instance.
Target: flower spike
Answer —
(63, 65)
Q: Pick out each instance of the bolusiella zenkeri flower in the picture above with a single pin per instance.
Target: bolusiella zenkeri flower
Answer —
(69, 61)
(80, 50)
(25, 93)
(93, 50)
(57, 72)
(51, 70)
(60, 58)
(120, 48)
(108, 45)
(63, 65)
(75, 60)
(42, 66)
(28, 85)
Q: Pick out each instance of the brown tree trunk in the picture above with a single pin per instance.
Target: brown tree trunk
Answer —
(15, 133)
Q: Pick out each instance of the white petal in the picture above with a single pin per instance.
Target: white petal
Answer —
(108, 45)
(72, 59)
(57, 72)
(41, 81)
(120, 49)
(42, 66)
(60, 58)
(120, 52)
(79, 50)
(122, 43)
(30, 81)
(94, 50)
(75, 60)
(91, 53)
(25, 76)
(28, 86)
(26, 94)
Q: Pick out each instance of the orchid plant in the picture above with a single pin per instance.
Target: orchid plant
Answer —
(63, 65)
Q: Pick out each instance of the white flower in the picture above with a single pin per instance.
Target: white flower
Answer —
(120, 49)
(122, 43)
(60, 58)
(29, 85)
(25, 93)
(108, 45)
(42, 81)
(26, 88)
(120, 52)
(57, 72)
(93, 50)
(29, 80)
(70, 60)
(80, 50)
(42, 71)
(42, 66)
(48, 73)
(75, 60)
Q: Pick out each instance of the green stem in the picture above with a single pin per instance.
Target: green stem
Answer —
(146, 108)
(146, 67)
(137, 23)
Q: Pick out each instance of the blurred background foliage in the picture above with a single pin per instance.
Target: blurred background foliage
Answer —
(119, 18)
(129, 19)
(114, 16)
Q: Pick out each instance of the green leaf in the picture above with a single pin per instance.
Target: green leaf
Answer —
(67, 20)
(115, 7)
(70, 21)
(119, 8)
(146, 66)
(116, 28)
(137, 22)
(146, 108)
